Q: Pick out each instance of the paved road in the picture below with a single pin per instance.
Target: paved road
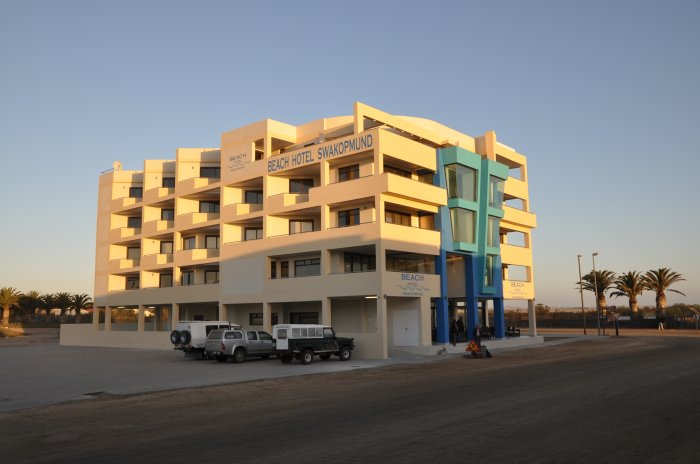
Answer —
(608, 400)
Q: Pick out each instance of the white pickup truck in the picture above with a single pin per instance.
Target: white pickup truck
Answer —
(190, 336)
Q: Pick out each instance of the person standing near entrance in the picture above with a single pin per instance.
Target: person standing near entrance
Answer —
(460, 330)
(453, 332)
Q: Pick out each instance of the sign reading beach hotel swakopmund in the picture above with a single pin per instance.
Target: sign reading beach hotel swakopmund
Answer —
(237, 157)
(334, 149)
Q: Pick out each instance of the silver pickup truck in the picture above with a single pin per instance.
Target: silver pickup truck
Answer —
(238, 344)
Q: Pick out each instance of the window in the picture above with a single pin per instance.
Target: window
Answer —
(273, 269)
(135, 192)
(426, 176)
(166, 280)
(300, 185)
(211, 277)
(349, 173)
(282, 334)
(133, 252)
(257, 319)
(410, 262)
(253, 233)
(461, 182)
(489, 271)
(210, 172)
(463, 221)
(307, 267)
(426, 221)
(134, 222)
(284, 269)
(252, 335)
(167, 214)
(299, 226)
(397, 171)
(132, 283)
(166, 248)
(350, 217)
(233, 335)
(303, 318)
(496, 187)
(397, 217)
(355, 262)
(208, 206)
(328, 332)
(259, 154)
(492, 237)
(211, 242)
(168, 182)
(254, 197)
(187, 277)
(265, 335)
(189, 243)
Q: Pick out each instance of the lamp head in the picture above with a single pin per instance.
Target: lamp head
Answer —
(595, 253)
(579, 256)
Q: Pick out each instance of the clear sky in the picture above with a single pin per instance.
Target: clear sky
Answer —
(602, 97)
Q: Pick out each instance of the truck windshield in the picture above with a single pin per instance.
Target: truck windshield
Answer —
(328, 332)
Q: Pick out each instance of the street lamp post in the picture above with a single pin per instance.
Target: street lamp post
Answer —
(580, 290)
(595, 289)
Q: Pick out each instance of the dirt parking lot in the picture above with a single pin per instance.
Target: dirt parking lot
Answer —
(626, 399)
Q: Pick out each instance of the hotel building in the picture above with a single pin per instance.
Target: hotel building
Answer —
(385, 227)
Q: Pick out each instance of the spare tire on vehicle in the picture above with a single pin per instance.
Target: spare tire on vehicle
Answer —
(185, 337)
(175, 337)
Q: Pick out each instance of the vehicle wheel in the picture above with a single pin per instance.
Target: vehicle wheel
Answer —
(325, 356)
(175, 337)
(306, 356)
(239, 355)
(265, 356)
(345, 353)
(221, 358)
(185, 337)
(286, 358)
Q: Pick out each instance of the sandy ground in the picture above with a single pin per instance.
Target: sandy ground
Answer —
(601, 399)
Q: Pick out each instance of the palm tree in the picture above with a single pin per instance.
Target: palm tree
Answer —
(629, 284)
(9, 297)
(80, 301)
(63, 301)
(31, 301)
(659, 281)
(47, 302)
(604, 281)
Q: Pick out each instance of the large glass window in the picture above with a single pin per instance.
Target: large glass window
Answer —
(355, 262)
(135, 192)
(208, 206)
(410, 262)
(348, 172)
(461, 182)
(187, 277)
(397, 171)
(134, 222)
(210, 172)
(253, 233)
(307, 267)
(254, 197)
(166, 248)
(397, 217)
(284, 269)
(133, 252)
(169, 182)
(211, 277)
(189, 243)
(132, 283)
(463, 224)
(166, 280)
(211, 242)
(299, 226)
(496, 187)
(257, 319)
(489, 271)
(167, 214)
(492, 238)
(350, 217)
(300, 185)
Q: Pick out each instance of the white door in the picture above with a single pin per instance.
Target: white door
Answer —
(405, 327)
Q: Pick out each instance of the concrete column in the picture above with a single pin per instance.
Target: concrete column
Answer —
(531, 318)
(142, 318)
(108, 318)
(174, 316)
(267, 317)
(326, 311)
(382, 329)
(96, 318)
(499, 317)
(222, 312)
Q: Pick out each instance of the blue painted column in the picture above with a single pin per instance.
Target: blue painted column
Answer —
(470, 264)
(499, 317)
(441, 312)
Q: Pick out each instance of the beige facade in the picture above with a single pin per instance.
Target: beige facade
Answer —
(334, 221)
